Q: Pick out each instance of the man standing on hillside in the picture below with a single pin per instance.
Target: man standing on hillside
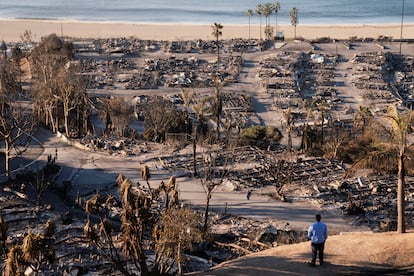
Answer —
(317, 234)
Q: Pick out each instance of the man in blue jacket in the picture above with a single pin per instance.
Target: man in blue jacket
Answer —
(317, 234)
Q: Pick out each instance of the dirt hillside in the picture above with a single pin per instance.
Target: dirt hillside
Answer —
(357, 253)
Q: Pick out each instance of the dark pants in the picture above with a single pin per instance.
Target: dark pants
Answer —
(317, 247)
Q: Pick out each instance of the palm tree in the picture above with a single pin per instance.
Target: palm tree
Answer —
(217, 33)
(267, 11)
(249, 13)
(259, 11)
(276, 9)
(400, 123)
(294, 20)
(387, 152)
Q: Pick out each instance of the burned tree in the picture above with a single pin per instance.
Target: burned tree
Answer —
(49, 59)
(280, 171)
(336, 136)
(211, 176)
(71, 95)
(117, 113)
(162, 117)
(16, 120)
(176, 232)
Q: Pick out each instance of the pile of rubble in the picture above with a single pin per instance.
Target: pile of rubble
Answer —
(370, 77)
(292, 76)
(123, 71)
(399, 73)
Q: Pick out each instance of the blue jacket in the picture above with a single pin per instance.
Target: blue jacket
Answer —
(318, 232)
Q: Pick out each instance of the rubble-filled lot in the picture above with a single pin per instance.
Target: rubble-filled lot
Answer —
(134, 64)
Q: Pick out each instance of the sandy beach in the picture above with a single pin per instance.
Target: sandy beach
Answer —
(11, 30)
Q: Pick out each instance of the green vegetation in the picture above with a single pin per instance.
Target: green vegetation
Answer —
(260, 136)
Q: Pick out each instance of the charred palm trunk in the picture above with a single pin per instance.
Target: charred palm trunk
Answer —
(401, 193)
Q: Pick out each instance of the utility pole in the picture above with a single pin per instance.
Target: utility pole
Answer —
(402, 23)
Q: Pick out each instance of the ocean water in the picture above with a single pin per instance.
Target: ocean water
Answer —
(210, 11)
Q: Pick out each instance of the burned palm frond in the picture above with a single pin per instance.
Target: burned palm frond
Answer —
(128, 197)
(129, 233)
(133, 221)
(174, 201)
(162, 186)
(399, 123)
(14, 261)
(126, 184)
(50, 229)
(90, 232)
(111, 201)
(145, 173)
(33, 246)
(171, 184)
(120, 179)
(106, 227)
(382, 160)
(91, 204)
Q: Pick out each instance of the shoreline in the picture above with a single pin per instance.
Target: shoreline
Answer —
(12, 29)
